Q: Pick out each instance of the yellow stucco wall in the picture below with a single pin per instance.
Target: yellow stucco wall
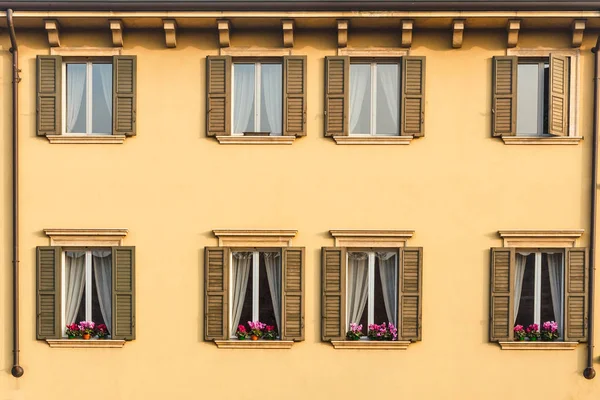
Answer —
(171, 186)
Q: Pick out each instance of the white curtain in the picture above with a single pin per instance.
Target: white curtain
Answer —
(521, 261)
(387, 75)
(358, 282)
(102, 264)
(105, 71)
(76, 83)
(273, 266)
(272, 93)
(242, 263)
(243, 98)
(387, 272)
(74, 283)
(555, 273)
(360, 76)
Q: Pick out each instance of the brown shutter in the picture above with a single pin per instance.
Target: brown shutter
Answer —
(501, 298)
(558, 96)
(504, 96)
(218, 95)
(576, 290)
(410, 294)
(216, 284)
(293, 294)
(49, 100)
(333, 302)
(337, 94)
(412, 112)
(48, 293)
(124, 95)
(123, 281)
(294, 95)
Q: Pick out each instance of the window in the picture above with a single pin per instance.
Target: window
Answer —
(532, 97)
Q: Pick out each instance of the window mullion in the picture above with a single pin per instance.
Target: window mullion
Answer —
(537, 289)
(257, 92)
(371, 292)
(255, 277)
(88, 285)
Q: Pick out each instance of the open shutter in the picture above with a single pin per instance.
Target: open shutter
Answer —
(48, 293)
(333, 302)
(410, 294)
(218, 95)
(337, 94)
(501, 297)
(123, 281)
(576, 292)
(504, 92)
(294, 95)
(293, 294)
(124, 95)
(49, 101)
(216, 282)
(558, 96)
(412, 112)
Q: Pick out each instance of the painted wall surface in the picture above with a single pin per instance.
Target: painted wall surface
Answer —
(171, 186)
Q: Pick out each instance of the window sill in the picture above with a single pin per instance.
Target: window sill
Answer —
(254, 344)
(80, 343)
(538, 345)
(372, 139)
(369, 345)
(238, 139)
(89, 139)
(541, 140)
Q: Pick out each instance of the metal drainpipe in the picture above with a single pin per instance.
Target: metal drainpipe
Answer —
(17, 370)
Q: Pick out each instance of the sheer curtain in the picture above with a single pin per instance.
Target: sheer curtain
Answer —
(76, 82)
(74, 283)
(387, 75)
(358, 273)
(555, 273)
(105, 71)
(387, 272)
(273, 266)
(360, 76)
(242, 263)
(521, 261)
(243, 98)
(102, 264)
(271, 98)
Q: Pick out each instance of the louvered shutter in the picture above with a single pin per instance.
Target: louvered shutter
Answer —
(123, 287)
(412, 112)
(49, 101)
(501, 297)
(558, 96)
(218, 95)
(48, 293)
(294, 95)
(337, 94)
(504, 92)
(293, 294)
(576, 292)
(410, 294)
(333, 301)
(216, 284)
(124, 95)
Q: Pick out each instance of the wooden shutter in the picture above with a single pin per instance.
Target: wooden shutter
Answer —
(501, 298)
(124, 95)
(123, 287)
(558, 96)
(410, 295)
(48, 293)
(218, 95)
(293, 294)
(333, 301)
(576, 292)
(412, 112)
(216, 284)
(504, 92)
(49, 100)
(337, 94)
(294, 95)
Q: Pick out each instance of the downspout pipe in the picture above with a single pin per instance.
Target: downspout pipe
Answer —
(17, 370)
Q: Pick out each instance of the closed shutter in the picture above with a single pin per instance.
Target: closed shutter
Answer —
(123, 281)
(576, 292)
(333, 302)
(412, 112)
(337, 94)
(558, 96)
(216, 283)
(410, 294)
(504, 92)
(294, 95)
(218, 95)
(124, 95)
(501, 298)
(48, 293)
(49, 100)
(293, 294)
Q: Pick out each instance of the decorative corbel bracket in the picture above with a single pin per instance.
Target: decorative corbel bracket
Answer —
(224, 27)
(116, 27)
(458, 28)
(170, 26)
(578, 28)
(288, 32)
(512, 28)
(407, 28)
(53, 30)
(342, 26)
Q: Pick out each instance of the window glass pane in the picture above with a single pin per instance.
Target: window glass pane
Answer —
(74, 285)
(246, 314)
(76, 98)
(360, 98)
(385, 297)
(552, 286)
(269, 287)
(271, 98)
(357, 288)
(243, 98)
(102, 99)
(388, 93)
(102, 287)
(525, 315)
(528, 99)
